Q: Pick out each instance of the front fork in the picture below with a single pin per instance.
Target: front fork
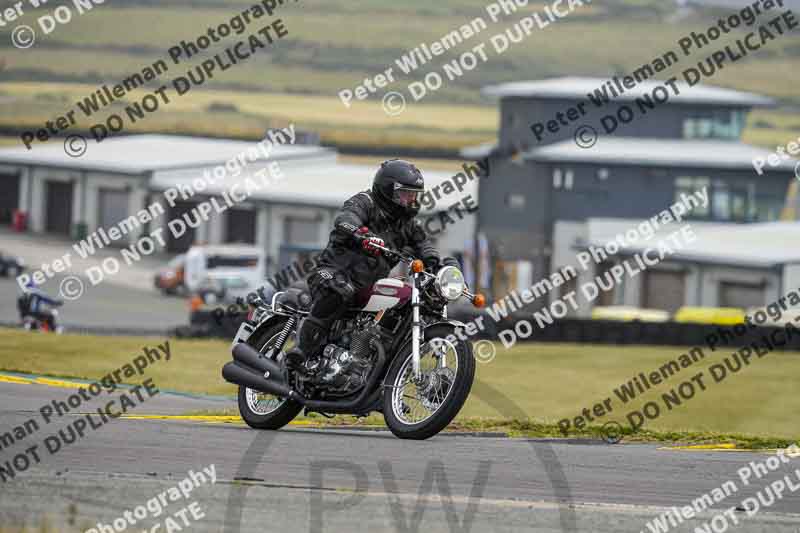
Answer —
(416, 329)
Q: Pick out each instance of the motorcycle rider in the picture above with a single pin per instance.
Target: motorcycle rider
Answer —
(36, 304)
(383, 216)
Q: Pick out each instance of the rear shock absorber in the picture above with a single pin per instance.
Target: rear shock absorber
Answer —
(287, 329)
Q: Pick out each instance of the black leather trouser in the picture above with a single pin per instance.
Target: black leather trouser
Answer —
(326, 307)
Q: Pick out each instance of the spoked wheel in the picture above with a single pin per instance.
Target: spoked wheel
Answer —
(419, 409)
(261, 410)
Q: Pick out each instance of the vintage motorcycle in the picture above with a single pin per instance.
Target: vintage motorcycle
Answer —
(46, 320)
(394, 352)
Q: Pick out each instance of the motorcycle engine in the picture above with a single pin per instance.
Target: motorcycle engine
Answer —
(346, 369)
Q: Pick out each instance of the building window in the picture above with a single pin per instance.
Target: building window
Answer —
(768, 208)
(563, 178)
(515, 201)
(727, 202)
(688, 185)
(696, 128)
(569, 178)
(720, 201)
(721, 124)
(737, 123)
(557, 178)
(739, 206)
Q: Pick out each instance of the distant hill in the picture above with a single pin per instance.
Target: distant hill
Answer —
(334, 44)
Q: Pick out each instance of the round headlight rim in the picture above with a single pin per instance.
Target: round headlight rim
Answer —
(440, 276)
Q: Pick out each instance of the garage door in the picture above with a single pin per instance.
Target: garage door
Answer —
(663, 290)
(300, 231)
(9, 196)
(185, 241)
(113, 207)
(605, 297)
(741, 295)
(241, 226)
(59, 207)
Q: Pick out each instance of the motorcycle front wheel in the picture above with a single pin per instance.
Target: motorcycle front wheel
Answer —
(420, 409)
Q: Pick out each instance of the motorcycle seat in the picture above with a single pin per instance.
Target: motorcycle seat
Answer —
(298, 299)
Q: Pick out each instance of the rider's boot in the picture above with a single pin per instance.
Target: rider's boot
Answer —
(311, 337)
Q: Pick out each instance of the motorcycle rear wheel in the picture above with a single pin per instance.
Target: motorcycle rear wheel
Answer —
(442, 392)
(266, 411)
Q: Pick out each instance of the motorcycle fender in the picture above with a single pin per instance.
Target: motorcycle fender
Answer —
(456, 323)
(446, 322)
(247, 329)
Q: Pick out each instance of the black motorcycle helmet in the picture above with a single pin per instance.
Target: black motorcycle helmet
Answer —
(397, 187)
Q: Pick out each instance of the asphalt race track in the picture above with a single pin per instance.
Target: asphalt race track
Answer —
(318, 480)
(106, 306)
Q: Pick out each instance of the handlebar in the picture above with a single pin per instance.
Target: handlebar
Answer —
(477, 299)
(396, 253)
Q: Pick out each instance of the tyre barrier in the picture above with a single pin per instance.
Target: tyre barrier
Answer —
(207, 324)
(592, 331)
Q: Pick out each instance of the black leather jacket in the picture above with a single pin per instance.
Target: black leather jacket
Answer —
(344, 255)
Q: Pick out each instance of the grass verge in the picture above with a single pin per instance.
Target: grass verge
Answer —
(530, 429)
(754, 407)
(194, 366)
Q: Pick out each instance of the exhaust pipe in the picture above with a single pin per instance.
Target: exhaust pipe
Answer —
(249, 357)
(238, 374)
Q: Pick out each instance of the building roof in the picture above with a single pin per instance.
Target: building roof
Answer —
(736, 4)
(312, 174)
(759, 245)
(228, 248)
(139, 154)
(314, 181)
(659, 153)
(573, 87)
(478, 151)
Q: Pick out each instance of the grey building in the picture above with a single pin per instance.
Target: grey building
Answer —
(660, 141)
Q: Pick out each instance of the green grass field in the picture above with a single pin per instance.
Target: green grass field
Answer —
(335, 44)
(547, 382)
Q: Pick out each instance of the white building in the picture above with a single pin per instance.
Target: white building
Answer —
(726, 265)
(119, 177)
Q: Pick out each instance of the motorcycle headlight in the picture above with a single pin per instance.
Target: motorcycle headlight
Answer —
(450, 283)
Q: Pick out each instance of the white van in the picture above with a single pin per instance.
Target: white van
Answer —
(217, 263)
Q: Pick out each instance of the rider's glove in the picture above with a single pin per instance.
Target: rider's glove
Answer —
(369, 241)
(369, 244)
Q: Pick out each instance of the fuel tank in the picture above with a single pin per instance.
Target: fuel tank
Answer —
(385, 293)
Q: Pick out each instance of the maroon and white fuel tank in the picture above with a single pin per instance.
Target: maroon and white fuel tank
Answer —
(386, 293)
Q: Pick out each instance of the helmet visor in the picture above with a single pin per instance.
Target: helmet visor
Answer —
(407, 197)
